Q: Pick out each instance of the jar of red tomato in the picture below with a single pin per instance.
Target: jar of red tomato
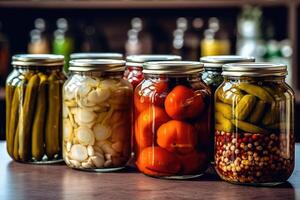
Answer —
(172, 109)
(134, 66)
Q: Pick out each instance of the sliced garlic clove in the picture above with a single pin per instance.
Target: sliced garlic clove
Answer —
(98, 150)
(84, 103)
(85, 136)
(98, 161)
(86, 165)
(83, 90)
(75, 163)
(108, 149)
(67, 130)
(90, 150)
(83, 116)
(78, 153)
(68, 146)
(101, 132)
(69, 94)
(66, 111)
(108, 163)
(92, 82)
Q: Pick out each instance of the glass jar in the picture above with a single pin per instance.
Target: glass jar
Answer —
(172, 109)
(254, 130)
(34, 108)
(213, 78)
(134, 66)
(97, 115)
(114, 56)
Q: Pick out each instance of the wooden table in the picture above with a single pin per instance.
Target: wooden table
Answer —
(24, 181)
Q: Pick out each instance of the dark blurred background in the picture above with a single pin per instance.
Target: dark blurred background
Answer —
(265, 29)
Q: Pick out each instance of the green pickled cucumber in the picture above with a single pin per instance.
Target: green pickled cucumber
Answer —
(257, 91)
(37, 139)
(247, 127)
(230, 96)
(271, 115)
(244, 107)
(16, 145)
(9, 93)
(26, 117)
(53, 117)
(222, 124)
(13, 122)
(257, 112)
(225, 109)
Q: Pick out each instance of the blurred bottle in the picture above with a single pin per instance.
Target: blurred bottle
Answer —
(216, 41)
(249, 38)
(63, 42)
(4, 57)
(139, 39)
(39, 39)
(94, 41)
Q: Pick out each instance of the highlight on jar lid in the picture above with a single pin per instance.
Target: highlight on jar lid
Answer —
(114, 56)
(254, 69)
(103, 65)
(138, 60)
(37, 60)
(216, 62)
(173, 67)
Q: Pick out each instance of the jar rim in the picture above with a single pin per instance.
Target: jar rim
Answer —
(37, 60)
(173, 67)
(258, 69)
(109, 65)
(151, 57)
(95, 55)
(216, 62)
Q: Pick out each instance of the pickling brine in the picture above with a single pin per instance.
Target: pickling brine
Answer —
(97, 114)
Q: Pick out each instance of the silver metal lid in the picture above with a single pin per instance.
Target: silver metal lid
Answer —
(173, 67)
(37, 60)
(114, 56)
(103, 65)
(138, 60)
(254, 69)
(216, 62)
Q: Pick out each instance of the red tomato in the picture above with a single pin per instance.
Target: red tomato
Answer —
(158, 161)
(148, 94)
(182, 103)
(146, 125)
(193, 162)
(177, 136)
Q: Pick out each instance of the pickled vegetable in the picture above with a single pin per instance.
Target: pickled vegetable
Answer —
(255, 90)
(244, 107)
(257, 112)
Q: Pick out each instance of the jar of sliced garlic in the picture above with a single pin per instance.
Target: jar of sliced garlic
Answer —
(97, 115)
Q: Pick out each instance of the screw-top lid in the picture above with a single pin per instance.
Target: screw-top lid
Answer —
(173, 67)
(37, 60)
(103, 65)
(254, 69)
(216, 62)
(114, 56)
(138, 60)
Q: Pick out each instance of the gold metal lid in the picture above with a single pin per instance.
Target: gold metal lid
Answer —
(254, 69)
(103, 65)
(138, 60)
(173, 67)
(37, 60)
(216, 62)
(114, 56)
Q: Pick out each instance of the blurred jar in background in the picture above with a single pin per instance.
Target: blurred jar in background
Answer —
(4, 56)
(216, 41)
(94, 40)
(39, 39)
(113, 56)
(63, 42)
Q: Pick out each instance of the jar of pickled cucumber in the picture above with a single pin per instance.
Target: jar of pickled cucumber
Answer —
(213, 78)
(97, 115)
(134, 66)
(114, 56)
(172, 112)
(34, 108)
(254, 130)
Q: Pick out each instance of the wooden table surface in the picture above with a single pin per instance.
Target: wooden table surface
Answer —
(24, 181)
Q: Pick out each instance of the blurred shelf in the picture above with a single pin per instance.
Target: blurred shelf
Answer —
(136, 4)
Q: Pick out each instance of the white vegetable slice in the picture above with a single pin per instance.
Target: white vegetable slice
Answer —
(67, 130)
(83, 116)
(78, 153)
(85, 136)
(66, 110)
(101, 132)
(90, 150)
(83, 90)
(98, 161)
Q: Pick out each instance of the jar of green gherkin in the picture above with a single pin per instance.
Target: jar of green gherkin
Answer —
(254, 129)
(212, 76)
(34, 108)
